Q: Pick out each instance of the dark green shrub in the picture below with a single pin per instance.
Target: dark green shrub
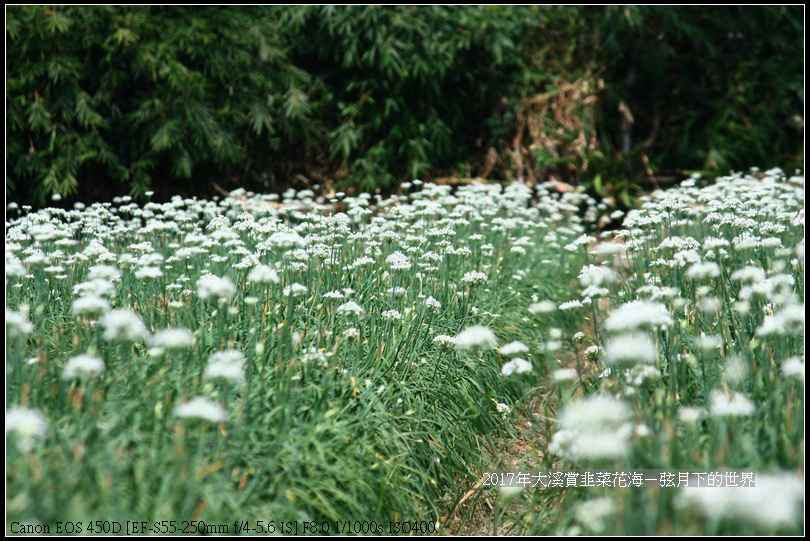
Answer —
(177, 98)
(134, 93)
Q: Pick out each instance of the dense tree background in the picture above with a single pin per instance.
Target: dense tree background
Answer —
(108, 100)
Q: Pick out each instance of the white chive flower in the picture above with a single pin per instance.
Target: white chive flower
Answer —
(474, 278)
(639, 315)
(29, 425)
(295, 290)
(351, 308)
(476, 337)
(90, 305)
(514, 348)
(735, 405)
(123, 325)
(263, 274)
(201, 408)
(445, 342)
(17, 325)
(215, 287)
(228, 365)
(774, 501)
(630, 349)
(172, 339)
(516, 365)
(83, 367)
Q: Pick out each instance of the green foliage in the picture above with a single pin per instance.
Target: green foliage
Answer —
(410, 88)
(707, 88)
(263, 97)
(139, 91)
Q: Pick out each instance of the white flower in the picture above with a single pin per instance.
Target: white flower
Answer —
(591, 353)
(700, 271)
(398, 261)
(17, 325)
(503, 409)
(591, 428)
(397, 291)
(748, 274)
(789, 320)
(228, 364)
(148, 272)
(104, 272)
(637, 315)
(690, 415)
(201, 408)
(215, 287)
(793, 366)
(123, 325)
(392, 315)
(630, 348)
(563, 374)
(433, 304)
(514, 348)
(474, 278)
(445, 342)
(593, 275)
(263, 274)
(736, 405)
(708, 342)
(295, 290)
(592, 514)
(773, 501)
(544, 307)
(476, 337)
(90, 305)
(172, 339)
(83, 367)
(516, 365)
(29, 425)
(97, 287)
(350, 307)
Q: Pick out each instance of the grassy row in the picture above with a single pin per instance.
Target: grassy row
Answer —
(699, 310)
(327, 396)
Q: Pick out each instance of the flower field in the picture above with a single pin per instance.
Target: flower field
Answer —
(258, 360)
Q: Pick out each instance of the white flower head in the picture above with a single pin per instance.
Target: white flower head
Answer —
(514, 348)
(350, 308)
(83, 367)
(592, 514)
(295, 290)
(28, 424)
(474, 278)
(201, 408)
(398, 261)
(172, 339)
(210, 286)
(476, 337)
(630, 349)
(516, 365)
(543, 307)
(563, 374)
(17, 325)
(263, 274)
(445, 342)
(639, 315)
(773, 501)
(735, 405)
(90, 305)
(123, 326)
(228, 365)
(592, 428)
